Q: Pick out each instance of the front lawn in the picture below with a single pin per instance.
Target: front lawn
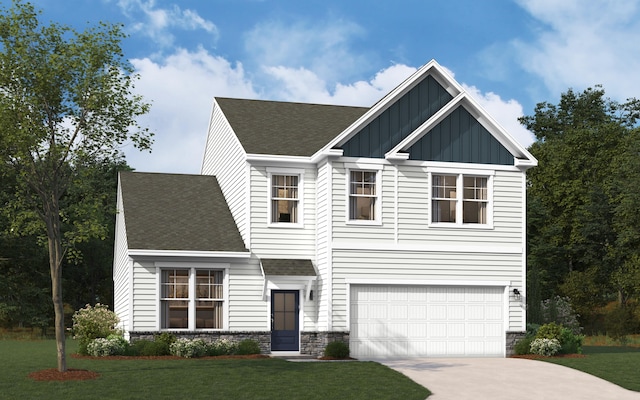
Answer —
(614, 364)
(198, 378)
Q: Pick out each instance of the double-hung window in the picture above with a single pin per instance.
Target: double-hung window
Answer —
(364, 195)
(285, 199)
(192, 298)
(460, 199)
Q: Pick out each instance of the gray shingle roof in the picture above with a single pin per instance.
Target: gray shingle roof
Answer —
(277, 266)
(177, 212)
(281, 128)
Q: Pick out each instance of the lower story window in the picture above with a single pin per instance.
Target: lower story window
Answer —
(192, 299)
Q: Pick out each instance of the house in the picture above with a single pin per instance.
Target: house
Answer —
(399, 229)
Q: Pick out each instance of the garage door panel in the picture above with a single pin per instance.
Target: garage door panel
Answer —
(411, 321)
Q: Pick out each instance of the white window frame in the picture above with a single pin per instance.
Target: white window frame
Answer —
(271, 172)
(460, 175)
(163, 266)
(361, 167)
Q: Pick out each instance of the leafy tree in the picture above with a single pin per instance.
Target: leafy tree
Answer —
(66, 100)
(582, 197)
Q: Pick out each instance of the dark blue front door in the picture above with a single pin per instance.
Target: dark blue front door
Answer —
(285, 334)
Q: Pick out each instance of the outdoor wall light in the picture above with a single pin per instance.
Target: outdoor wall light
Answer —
(516, 294)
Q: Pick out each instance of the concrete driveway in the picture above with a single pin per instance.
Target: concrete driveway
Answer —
(505, 378)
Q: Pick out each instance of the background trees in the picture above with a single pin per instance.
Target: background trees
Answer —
(66, 104)
(583, 221)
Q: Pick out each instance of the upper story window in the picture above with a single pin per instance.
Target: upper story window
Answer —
(460, 199)
(364, 195)
(285, 198)
(192, 298)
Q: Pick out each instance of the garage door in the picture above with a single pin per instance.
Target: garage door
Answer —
(434, 321)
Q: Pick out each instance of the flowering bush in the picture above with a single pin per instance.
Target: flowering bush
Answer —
(93, 322)
(545, 347)
(221, 347)
(188, 348)
(112, 345)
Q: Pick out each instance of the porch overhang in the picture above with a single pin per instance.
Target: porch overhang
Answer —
(288, 271)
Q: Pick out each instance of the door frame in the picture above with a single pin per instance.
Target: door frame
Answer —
(300, 314)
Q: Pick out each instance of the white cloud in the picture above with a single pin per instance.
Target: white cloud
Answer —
(323, 47)
(583, 43)
(299, 84)
(156, 23)
(181, 89)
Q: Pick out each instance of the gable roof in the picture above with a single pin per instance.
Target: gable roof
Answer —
(282, 128)
(177, 212)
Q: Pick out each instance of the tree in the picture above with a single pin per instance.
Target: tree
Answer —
(66, 99)
(582, 202)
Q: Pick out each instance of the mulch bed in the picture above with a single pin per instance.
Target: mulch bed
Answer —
(69, 375)
(247, 357)
(537, 357)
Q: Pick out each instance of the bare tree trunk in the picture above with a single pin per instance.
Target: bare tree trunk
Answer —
(55, 265)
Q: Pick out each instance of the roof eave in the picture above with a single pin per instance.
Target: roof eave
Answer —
(188, 253)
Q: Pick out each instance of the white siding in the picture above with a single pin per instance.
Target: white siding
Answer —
(323, 227)
(247, 309)
(121, 267)
(282, 242)
(224, 157)
(144, 297)
(422, 266)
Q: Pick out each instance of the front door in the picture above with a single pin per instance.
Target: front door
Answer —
(285, 333)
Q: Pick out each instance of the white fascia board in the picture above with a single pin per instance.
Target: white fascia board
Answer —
(435, 119)
(187, 253)
(431, 68)
(269, 159)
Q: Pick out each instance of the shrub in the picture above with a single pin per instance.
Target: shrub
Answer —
(570, 342)
(523, 346)
(337, 350)
(248, 346)
(221, 347)
(113, 345)
(188, 348)
(619, 322)
(165, 337)
(549, 331)
(149, 348)
(545, 347)
(93, 322)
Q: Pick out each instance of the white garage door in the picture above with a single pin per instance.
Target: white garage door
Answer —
(433, 321)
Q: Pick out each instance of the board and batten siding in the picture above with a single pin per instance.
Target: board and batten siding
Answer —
(282, 241)
(225, 158)
(414, 266)
(121, 267)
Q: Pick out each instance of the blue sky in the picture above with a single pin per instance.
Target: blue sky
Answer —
(509, 54)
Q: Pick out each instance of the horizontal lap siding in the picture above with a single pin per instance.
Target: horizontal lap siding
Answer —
(247, 309)
(276, 242)
(425, 266)
(224, 157)
(414, 205)
(343, 230)
(144, 296)
(322, 246)
(121, 268)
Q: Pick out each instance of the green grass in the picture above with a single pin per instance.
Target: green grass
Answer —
(198, 378)
(618, 365)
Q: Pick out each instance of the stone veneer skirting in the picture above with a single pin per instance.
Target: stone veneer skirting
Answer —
(311, 343)
(512, 339)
